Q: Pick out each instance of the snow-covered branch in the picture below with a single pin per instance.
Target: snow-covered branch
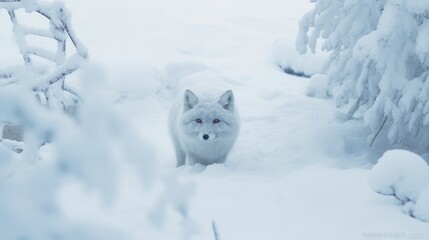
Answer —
(60, 28)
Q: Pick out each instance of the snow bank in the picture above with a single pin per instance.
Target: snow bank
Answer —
(404, 175)
(292, 62)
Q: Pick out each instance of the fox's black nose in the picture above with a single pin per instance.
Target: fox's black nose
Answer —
(206, 136)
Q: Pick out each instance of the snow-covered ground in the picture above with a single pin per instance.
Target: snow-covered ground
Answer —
(297, 170)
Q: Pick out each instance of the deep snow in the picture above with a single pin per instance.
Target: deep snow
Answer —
(297, 171)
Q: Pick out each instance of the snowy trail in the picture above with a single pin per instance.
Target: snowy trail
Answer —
(285, 179)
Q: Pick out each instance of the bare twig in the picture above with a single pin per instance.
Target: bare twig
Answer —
(378, 131)
(215, 231)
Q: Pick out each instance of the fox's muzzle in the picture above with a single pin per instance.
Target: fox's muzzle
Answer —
(207, 137)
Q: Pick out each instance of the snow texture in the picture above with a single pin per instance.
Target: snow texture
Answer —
(378, 66)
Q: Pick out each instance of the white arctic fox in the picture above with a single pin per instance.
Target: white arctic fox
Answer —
(203, 127)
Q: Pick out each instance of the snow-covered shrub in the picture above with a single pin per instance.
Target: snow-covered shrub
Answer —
(404, 175)
(379, 61)
(58, 148)
(87, 149)
(44, 70)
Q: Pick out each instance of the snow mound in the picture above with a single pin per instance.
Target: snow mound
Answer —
(400, 173)
(404, 175)
(292, 62)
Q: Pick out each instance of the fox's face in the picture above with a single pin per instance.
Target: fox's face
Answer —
(208, 119)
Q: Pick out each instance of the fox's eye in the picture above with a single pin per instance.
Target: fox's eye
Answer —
(198, 120)
(216, 121)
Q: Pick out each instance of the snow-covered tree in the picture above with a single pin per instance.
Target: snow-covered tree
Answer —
(378, 67)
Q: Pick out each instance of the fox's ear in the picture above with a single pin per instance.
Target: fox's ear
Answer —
(190, 99)
(227, 100)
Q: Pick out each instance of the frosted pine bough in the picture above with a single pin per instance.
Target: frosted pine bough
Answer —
(378, 67)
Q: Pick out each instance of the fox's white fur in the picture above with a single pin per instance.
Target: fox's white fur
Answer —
(197, 135)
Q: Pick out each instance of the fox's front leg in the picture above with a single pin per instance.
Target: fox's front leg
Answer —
(180, 155)
(192, 159)
(180, 158)
(220, 159)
